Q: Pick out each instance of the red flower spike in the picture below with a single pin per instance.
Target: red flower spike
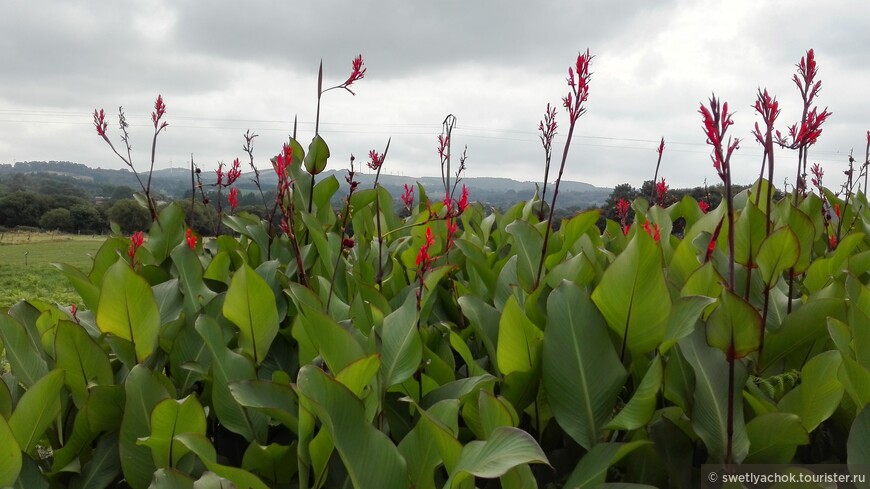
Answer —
(136, 241)
(159, 110)
(234, 173)
(423, 259)
(703, 206)
(408, 196)
(347, 243)
(220, 174)
(358, 72)
(101, 124)
(661, 149)
(233, 198)
(463, 201)
(661, 192)
(625, 229)
(622, 208)
(837, 210)
(191, 239)
(832, 241)
(375, 160)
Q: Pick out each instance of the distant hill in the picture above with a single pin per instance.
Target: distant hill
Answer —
(174, 183)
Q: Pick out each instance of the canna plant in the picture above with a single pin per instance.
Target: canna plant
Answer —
(436, 344)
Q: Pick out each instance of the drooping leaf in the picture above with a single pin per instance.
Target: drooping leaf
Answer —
(144, 389)
(10, 455)
(633, 296)
(36, 410)
(581, 371)
(168, 419)
(23, 355)
(858, 444)
(318, 153)
(272, 398)
(819, 393)
(250, 304)
(128, 309)
(778, 252)
(640, 408)
(275, 463)
(103, 467)
(774, 438)
(371, 459)
(528, 241)
(82, 359)
(592, 468)
(506, 448)
(682, 319)
(734, 324)
(202, 447)
(402, 348)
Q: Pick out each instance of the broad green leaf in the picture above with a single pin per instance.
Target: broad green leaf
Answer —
(190, 275)
(402, 348)
(202, 447)
(519, 354)
(803, 229)
(799, 330)
(528, 241)
(31, 476)
(272, 398)
(89, 292)
(250, 304)
(495, 411)
(633, 296)
(318, 153)
(359, 374)
(103, 467)
(457, 389)
(484, 321)
(819, 393)
(10, 455)
(171, 479)
(168, 419)
(858, 444)
(640, 408)
(506, 448)
(82, 359)
(778, 252)
(774, 438)
(36, 410)
(371, 459)
(735, 324)
(275, 463)
(856, 381)
(749, 231)
(592, 469)
(581, 371)
(166, 233)
(710, 410)
(682, 319)
(106, 256)
(228, 366)
(128, 309)
(23, 355)
(144, 389)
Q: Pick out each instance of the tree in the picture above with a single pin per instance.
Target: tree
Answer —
(87, 218)
(129, 216)
(621, 191)
(57, 220)
(22, 209)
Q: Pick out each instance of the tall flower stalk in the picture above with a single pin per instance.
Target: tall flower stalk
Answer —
(578, 78)
(376, 161)
(660, 150)
(547, 127)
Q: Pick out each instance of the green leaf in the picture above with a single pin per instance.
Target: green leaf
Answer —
(271, 398)
(89, 292)
(202, 447)
(519, 354)
(103, 467)
(858, 444)
(495, 411)
(171, 479)
(633, 295)
(144, 389)
(642, 405)
(23, 355)
(710, 409)
(82, 359)
(10, 455)
(457, 389)
(529, 242)
(166, 233)
(190, 274)
(749, 231)
(506, 448)
(371, 459)
(36, 410)
(275, 463)
(799, 330)
(819, 393)
(250, 304)
(128, 309)
(734, 324)
(684, 315)
(168, 419)
(228, 366)
(856, 381)
(592, 469)
(336, 345)
(581, 372)
(402, 348)
(778, 252)
(774, 438)
(318, 153)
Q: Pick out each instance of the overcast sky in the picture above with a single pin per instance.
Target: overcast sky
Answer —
(225, 67)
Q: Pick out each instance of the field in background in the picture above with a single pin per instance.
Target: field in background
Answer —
(26, 269)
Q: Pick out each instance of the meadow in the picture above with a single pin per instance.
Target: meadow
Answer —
(26, 269)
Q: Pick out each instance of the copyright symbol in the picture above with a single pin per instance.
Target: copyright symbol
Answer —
(712, 476)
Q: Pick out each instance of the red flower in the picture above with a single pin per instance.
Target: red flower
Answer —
(452, 227)
(220, 174)
(159, 110)
(347, 243)
(818, 173)
(283, 160)
(73, 309)
(408, 196)
(832, 241)
(358, 72)
(375, 160)
(191, 239)
(547, 128)
(135, 243)
(654, 231)
(233, 198)
(622, 208)
(101, 124)
(661, 148)
(703, 206)
(443, 144)
(837, 209)
(578, 81)
(716, 120)
(463, 201)
(423, 259)
(234, 173)
(661, 192)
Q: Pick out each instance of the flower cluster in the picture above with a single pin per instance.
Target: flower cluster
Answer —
(661, 192)
(159, 110)
(424, 261)
(375, 160)
(622, 208)
(102, 125)
(190, 238)
(136, 241)
(768, 108)
(652, 231)
(579, 77)
(547, 128)
(233, 198)
(408, 196)
(282, 168)
(358, 72)
(704, 206)
(716, 120)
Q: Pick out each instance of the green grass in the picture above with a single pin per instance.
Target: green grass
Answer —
(37, 278)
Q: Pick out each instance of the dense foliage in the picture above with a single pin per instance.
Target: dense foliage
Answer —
(438, 345)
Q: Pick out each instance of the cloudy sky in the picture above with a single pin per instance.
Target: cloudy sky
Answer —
(225, 67)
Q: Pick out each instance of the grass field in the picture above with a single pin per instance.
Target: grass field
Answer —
(26, 269)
